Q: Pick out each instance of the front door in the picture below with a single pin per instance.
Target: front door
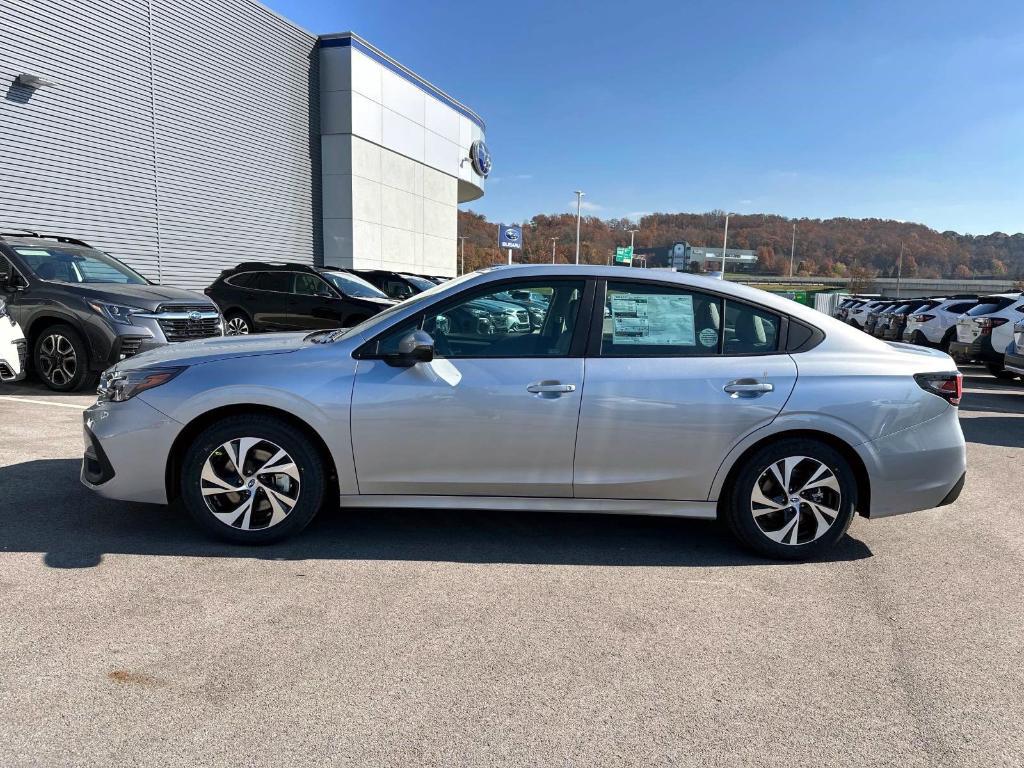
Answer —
(678, 379)
(494, 414)
(313, 304)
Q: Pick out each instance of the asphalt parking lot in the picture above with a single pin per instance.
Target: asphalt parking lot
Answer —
(434, 638)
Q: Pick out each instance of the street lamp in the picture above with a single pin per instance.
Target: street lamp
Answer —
(462, 253)
(792, 251)
(553, 241)
(725, 239)
(632, 232)
(579, 204)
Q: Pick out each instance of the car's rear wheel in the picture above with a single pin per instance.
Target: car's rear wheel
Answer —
(792, 500)
(947, 339)
(997, 370)
(237, 324)
(61, 359)
(252, 480)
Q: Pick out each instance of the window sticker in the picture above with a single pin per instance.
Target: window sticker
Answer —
(31, 252)
(653, 319)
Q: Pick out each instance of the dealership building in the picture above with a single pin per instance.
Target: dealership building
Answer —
(186, 136)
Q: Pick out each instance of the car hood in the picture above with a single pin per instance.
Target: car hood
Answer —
(216, 348)
(147, 297)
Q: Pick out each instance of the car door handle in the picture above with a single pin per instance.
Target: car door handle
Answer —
(545, 387)
(748, 387)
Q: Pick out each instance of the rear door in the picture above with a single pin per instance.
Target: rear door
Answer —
(674, 379)
(269, 300)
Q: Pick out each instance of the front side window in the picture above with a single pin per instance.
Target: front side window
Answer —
(310, 285)
(658, 321)
(75, 264)
(486, 324)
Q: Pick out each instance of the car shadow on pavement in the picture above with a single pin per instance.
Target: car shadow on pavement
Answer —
(1005, 431)
(46, 510)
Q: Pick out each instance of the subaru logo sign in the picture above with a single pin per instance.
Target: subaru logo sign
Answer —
(195, 317)
(480, 157)
(510, 236)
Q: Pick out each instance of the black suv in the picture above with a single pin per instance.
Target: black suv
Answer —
(261, 296)
(83, 310)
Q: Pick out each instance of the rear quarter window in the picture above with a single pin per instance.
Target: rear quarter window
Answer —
(988, 306)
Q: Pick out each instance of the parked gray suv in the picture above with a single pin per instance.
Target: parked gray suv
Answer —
(82, 310)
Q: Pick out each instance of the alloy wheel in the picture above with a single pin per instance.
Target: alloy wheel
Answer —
(796, 500)
(58, 362)
(236, 326)
(250, 483)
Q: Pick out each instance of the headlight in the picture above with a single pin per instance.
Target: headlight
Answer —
(117, 313)
(118, 386)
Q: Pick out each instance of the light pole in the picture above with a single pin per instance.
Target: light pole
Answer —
(579, 205)
(462, 253)
(792, 251)
(553, 241)
(632, 232)
(899, 273)
(725, 239)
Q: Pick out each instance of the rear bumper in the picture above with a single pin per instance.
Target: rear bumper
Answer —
(979, 349)
(917, 468)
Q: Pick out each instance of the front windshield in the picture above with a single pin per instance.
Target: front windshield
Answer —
(75, 264)
(419, 282)
(350, 285)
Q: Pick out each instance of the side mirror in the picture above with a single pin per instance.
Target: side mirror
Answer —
(323, 293)
(415, 347)
(12, 282)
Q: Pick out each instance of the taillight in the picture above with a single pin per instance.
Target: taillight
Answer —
(986, 324)
(948, 386)
(922, 318)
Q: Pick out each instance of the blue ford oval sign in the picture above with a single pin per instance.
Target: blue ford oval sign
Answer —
(481, 158)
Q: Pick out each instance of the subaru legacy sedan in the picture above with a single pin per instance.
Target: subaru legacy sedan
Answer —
(639, 392)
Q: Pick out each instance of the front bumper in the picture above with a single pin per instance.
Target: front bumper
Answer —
(916, 468)
(979, 349)
(15, 368)
(127, 446)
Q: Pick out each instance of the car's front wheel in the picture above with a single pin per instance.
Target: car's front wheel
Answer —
(61, 359)
(792, 500)
(252, 479)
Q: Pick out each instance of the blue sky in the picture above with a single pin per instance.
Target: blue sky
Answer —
(901, 110)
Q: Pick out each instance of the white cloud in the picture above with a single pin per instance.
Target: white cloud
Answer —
(523, 176)
(637, 215)
(586, 205)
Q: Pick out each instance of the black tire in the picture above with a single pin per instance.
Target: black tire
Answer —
(855, 324)
(947, 339)
(919, 339)
(997, 370)
(309, 468)
(61, 359)
(737, 509)
(238, 324)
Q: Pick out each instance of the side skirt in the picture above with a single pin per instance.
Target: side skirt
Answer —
(704, 510)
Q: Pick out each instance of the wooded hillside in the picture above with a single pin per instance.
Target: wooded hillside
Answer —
(837, 247)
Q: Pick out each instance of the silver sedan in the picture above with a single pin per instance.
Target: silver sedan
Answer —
(637, 392)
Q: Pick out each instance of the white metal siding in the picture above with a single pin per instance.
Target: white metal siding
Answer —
(178, 134)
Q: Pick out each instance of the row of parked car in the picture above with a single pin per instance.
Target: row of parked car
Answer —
(981, 329)
(70, 311)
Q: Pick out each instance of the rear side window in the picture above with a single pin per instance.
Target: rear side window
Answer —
(243, 280)
(988, 305)
(750, 331)
(959, 309)
(274, 281)
(642, 320)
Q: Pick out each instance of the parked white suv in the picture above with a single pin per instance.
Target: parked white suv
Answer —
(985, 330)
(1013, 360)
(858, 316)
(936, 326)
(13, 347)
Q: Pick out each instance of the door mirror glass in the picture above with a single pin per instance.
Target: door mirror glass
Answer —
(415, 347)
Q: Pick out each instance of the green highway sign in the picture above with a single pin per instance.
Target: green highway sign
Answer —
(624, 255)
